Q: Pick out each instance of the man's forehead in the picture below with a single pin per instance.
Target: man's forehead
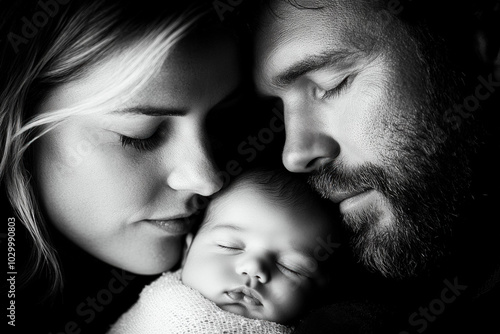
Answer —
(290, 34)
(281, 20)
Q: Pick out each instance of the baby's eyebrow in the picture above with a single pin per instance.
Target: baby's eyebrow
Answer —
(211, 226)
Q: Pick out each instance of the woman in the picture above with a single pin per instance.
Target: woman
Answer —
(104, 145)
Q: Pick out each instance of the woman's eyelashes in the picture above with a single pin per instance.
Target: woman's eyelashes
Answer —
(147, 144)
(143, 144)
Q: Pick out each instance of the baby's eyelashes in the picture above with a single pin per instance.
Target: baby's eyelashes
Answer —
(294, 273)
(230, 248)
(293, 270)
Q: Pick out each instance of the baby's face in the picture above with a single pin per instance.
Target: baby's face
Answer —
(255, 257)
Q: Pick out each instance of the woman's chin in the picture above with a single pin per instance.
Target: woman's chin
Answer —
(151, 260)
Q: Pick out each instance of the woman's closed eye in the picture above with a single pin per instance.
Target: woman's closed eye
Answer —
(142, 144)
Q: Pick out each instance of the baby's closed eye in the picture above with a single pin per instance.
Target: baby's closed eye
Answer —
(230, 247)
(293, 270)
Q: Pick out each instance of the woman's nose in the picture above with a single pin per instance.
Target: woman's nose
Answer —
(307, 147)
(254, 268)
(195, 171)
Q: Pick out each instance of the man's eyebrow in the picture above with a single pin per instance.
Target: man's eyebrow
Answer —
(314, 63)
(151, 111)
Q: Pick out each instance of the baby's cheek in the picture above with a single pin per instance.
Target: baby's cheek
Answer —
(188, 274)
(201, 272)
(290, 300)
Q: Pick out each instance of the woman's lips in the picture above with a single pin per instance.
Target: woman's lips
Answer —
(175, 226)
(245, 295)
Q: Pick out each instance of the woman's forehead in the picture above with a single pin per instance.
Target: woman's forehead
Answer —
(191, 72)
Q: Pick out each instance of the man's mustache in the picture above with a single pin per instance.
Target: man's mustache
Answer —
(337, 177)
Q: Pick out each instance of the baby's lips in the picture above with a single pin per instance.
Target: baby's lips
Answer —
(234, 295)
(241, 296)
(251, 300)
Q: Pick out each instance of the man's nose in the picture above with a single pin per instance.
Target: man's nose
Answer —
(307, 145)
(255, 268)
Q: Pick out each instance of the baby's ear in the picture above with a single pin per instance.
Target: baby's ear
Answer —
(189, 241)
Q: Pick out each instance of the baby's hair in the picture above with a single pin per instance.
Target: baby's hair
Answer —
(283, 187)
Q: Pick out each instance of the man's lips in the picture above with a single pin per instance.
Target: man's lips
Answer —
(246, 295)
(359, 201)
(339, 196)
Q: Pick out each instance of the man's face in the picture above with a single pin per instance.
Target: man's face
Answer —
(361, 113)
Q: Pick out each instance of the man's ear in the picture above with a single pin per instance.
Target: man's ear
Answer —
(187, 246)
(489, 52)
(487, 40)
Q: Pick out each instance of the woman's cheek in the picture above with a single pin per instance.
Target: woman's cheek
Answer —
(90, 193)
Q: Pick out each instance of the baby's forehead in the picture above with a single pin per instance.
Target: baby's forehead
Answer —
(260, 195)
(302, 229)
(283, 207)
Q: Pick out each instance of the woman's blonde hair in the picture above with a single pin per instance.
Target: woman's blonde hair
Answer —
(79, 36)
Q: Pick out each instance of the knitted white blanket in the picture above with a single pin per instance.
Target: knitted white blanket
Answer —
(168, 306)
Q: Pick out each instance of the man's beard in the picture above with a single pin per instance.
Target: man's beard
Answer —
(421, 216)
(423, 179)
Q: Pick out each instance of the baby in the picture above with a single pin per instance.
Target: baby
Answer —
(253, 266)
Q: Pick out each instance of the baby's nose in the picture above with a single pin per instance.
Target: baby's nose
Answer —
(254, 268)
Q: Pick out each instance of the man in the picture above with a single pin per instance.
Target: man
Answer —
(386, 113)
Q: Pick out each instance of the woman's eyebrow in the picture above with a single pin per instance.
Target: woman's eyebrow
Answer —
(151, 111)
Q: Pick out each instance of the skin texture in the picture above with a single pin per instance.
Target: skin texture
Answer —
(106, 196)
(363, 113)
(250, 241)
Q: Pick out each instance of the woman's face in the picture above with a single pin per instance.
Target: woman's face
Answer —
(122, 183)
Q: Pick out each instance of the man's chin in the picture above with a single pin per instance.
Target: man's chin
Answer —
(385, 245)
(383, 241)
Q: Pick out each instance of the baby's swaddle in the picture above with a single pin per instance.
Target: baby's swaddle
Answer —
(168, 306)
